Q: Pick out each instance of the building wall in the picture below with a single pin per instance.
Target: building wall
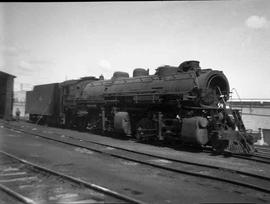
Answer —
(9, 98)
(3, 88)
(255, 118)
(19, 96)
(6, 95)
(255, 114)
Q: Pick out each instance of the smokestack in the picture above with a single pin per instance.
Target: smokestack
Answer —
(21, 86)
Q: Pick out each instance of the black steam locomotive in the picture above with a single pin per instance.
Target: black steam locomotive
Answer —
(184, 103)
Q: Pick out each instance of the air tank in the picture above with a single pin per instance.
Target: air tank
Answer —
(119, 75)
(140, 72)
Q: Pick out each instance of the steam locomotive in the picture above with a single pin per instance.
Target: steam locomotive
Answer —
(185, 103)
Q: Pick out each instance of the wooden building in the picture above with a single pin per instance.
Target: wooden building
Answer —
(6, 95)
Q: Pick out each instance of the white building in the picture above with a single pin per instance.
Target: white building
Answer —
(19, 100)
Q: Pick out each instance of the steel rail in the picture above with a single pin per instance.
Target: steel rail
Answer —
(76, 180)
(263, 155)
(263, 149)
(16, 195)
(239, 183)
(255, 158)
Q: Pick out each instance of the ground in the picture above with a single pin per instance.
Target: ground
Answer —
(130, 178)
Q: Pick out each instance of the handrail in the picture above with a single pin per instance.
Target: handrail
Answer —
(238, 98)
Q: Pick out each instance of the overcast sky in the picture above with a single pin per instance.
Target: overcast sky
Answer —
(50, 42)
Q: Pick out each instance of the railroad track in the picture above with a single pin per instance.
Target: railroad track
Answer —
(263, 150)
(262, 155)
(259, 157)
(236, 177)
(254, 158)
(31, 184)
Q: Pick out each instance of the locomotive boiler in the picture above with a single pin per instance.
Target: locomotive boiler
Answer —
(183, 103)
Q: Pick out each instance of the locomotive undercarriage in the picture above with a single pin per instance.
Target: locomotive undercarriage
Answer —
(216, 127)
(216, 131)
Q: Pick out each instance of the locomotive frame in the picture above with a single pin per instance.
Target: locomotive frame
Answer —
(183, 103)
